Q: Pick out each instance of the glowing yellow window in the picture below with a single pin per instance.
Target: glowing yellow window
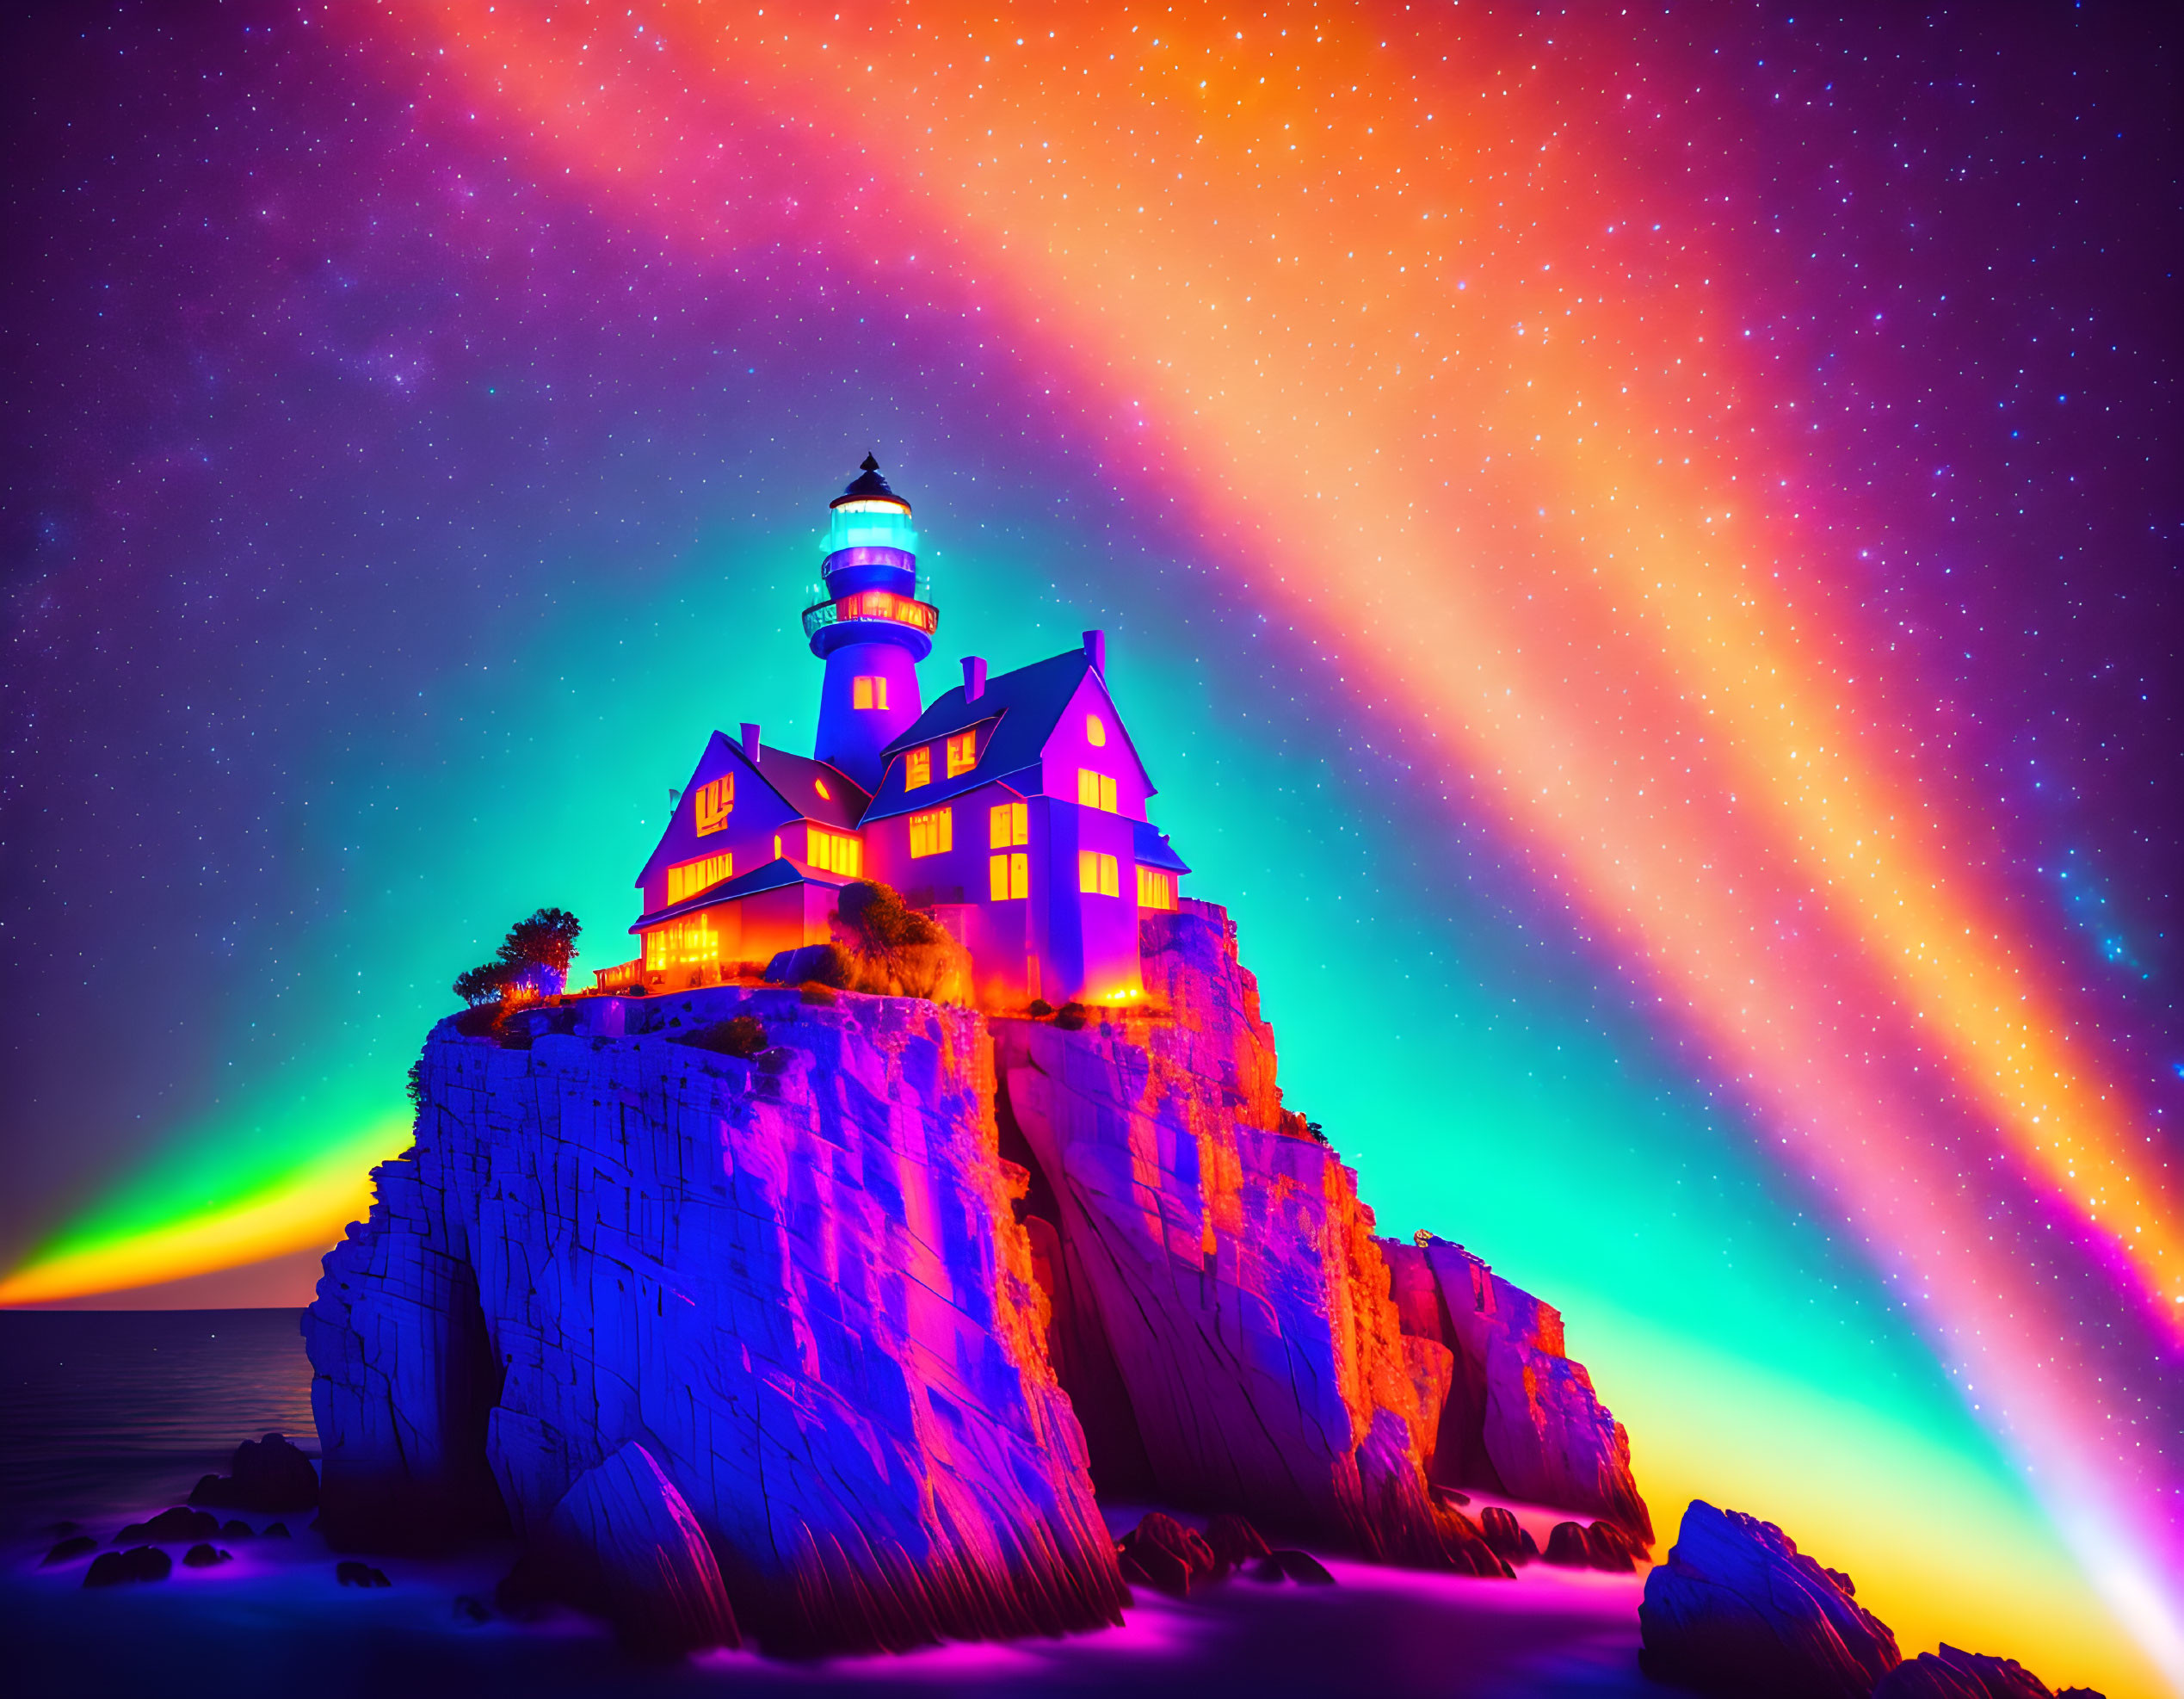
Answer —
(1007, 876)
(691, 877)
(963, 752)
(1098, 876)
(835, 851)
(1095, 731)
(868, 690)
(820, 786)
(714, 803)
(933, 832)
(917, 768)
(1095, 790)
(685, 943)
(1156, 889)
(1007, 825)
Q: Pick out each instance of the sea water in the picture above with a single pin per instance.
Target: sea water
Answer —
(107, 1412)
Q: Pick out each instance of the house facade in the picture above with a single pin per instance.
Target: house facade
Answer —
(1013, 810)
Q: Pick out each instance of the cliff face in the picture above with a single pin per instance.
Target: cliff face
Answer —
(1232, 1333)
(794, 1279)
(1520, 1418)
(872, 1310)
(1222, 1310)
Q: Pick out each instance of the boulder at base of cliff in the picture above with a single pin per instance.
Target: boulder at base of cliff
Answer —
(1171, 1556)
(1234, 1539)
(1737, 1609)
(1951, 1674)
(1603, 1545)
(1506, 1537)
(265, 1474)
(119, 1569)
(623, 1543)
(177, 1523)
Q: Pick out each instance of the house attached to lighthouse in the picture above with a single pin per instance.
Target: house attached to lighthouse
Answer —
(1013, 810)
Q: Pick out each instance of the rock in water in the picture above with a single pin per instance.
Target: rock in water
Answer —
(1235, 1541)
(1301, 1566)
(623, 1543)
(1505, 1537)
(178, 1523)
(1951, 1674)
(796, 1278)
(76, 1546)
(116, 1569)
(1737, 1609)
(1567, 1546)
(267, 1474)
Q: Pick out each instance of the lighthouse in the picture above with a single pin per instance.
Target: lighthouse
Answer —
(871, 630)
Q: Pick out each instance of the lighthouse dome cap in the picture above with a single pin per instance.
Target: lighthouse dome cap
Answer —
(869, 486)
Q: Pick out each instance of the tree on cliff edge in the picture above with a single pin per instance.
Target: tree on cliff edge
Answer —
(534, 956)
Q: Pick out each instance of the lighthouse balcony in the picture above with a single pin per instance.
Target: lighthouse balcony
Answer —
(865, 615)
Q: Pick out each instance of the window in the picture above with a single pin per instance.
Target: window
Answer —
(963, 752)
(933, 832)
(835, 851)
(682, 943)
(1156, 889)
(1095, 731)
(868, 690)
(691, 877)
(917, 768)
(1007, 825)
(820, 786)
(777, 846)
(1095, 790)
(714, 803)
(1009, 876)
(1098, 876)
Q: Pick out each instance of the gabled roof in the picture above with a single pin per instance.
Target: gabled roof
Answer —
(796, 780)
(772, 876)
(1033, 697)
(1026, 706)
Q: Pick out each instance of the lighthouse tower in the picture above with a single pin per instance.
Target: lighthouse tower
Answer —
(871, 631)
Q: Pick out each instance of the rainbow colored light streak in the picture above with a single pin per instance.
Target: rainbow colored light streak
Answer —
(1509, 464)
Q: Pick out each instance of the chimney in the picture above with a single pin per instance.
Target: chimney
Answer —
(750, 742)
(974, 677)
(1095, 646)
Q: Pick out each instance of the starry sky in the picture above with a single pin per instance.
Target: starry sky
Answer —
(1639, 545)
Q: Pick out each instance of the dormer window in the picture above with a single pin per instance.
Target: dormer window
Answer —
(1095, 790)
(1095, 731)
(713, 804)
(917, 768)
(868, 690)
(963, 752)
(820, 786)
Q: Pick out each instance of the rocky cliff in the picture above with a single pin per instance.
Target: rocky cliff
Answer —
(874, 1305)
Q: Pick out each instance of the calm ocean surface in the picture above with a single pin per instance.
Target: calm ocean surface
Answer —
(105, 1412)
